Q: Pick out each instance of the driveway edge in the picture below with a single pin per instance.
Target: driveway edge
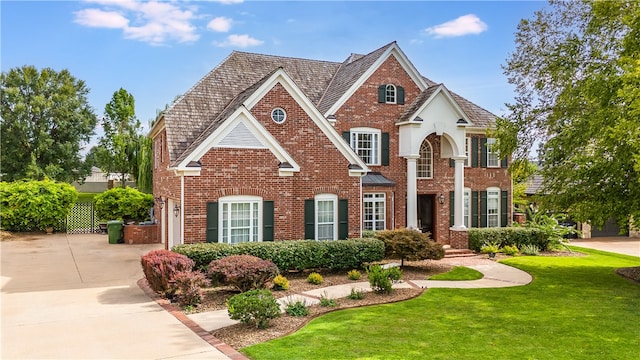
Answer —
(192, 325)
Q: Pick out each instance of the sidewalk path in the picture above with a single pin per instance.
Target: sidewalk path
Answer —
(496, 275)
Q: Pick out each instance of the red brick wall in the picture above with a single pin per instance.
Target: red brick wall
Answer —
(141, 234)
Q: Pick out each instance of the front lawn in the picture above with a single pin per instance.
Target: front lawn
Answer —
(576, 308)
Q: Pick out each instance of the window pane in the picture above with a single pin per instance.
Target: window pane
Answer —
(466, 209)
(240, 222)
(367, 146)
(374, 212)
(325, 232)
(492, 156)
(424, 164)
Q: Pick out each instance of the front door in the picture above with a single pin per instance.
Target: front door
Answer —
(426, 212)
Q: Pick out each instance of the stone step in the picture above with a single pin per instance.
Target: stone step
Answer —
(450, 253)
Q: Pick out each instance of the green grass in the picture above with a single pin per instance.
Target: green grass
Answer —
(458, 273)
(576, 308)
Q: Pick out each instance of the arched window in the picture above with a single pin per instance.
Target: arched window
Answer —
(390, 94)
(424, 165)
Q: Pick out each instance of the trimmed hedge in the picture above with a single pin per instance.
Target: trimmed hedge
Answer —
(508, 236)
(294, 254)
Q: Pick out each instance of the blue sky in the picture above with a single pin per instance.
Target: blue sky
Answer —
(157, 50)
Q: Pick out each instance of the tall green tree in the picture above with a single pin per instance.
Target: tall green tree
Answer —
(46, 119)
(117, 151)
(577, 78)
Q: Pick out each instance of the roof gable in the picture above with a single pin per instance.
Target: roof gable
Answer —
(426, 98)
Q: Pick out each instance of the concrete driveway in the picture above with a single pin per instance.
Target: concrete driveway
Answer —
(620, 245)
(76, 297)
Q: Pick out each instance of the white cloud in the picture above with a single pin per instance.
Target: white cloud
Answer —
(220, 24)
(153, 22)
(228, 2)
(99, 18)
(464, 25)
(239, 41)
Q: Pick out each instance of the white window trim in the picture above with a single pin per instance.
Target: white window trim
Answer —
(326, 197)
(374, 199)
(430, 175)
(395, 94)
(377, 151)
(235, 199)
(497, 197)
(467, 208)
(490, 152)
(467, 151)
(283, 112)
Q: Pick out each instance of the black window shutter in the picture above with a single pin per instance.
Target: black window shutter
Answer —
(504, 163)
(212, 222)
(504, 208)
(474, 152)
(309, 219)
(343, 219)
(384, 145)
(483, 158)
(400, 95)
(452, 198)
(452, 162)
(347, 137)
(474, 209)
(267, 221)
(483, 209)
(382, 93)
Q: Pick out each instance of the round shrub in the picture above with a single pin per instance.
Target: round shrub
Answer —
(187, 286)
(127, 204)
(245, 272)
(280, 283)
(315, 278)
(160, 266)
(35, 205)
(411, 245)
(254, 307)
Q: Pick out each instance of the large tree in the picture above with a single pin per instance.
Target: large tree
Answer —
(45, 121)
(117, 151)
(576, 69)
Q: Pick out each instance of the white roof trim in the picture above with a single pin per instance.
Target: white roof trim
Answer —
(242, 114)
(281, 77)
(394, 50)
(440, 90)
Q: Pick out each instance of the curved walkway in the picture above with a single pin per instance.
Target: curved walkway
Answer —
(496, 275)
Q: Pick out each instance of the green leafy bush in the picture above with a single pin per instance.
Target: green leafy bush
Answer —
(517, 236)
(294, 254)
(126, 204)
(380, 278)
(511, 250)
(297, 308)
(187, 287)
(489, 248)
(411, 245)
(245, 272)
(280, 283)
(395, 273)
(356, 294)
(35, 205)
(354, 274)
(254, 307)
(315, 278)
(160, 266)
(528, 249)
(325, 301)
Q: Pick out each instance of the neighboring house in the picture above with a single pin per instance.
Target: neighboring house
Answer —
(270, 148)
(99, 181)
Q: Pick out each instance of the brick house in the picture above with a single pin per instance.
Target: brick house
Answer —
(268, 148)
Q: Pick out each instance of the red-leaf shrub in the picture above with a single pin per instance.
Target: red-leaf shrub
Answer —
(187, 286)
(245, 272)
(159, 267)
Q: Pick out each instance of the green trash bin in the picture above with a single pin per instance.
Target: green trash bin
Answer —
(114, 231)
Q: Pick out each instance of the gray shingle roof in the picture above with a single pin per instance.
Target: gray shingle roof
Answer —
(193, 117)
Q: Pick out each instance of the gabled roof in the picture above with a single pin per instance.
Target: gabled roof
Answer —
(325, 84)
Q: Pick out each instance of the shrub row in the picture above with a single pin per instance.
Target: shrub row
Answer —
(292, 255)
(508, 236)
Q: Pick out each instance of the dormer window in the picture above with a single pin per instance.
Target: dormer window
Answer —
(390, 94)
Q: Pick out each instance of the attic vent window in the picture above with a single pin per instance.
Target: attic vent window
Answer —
(390, 94)
(278, 115)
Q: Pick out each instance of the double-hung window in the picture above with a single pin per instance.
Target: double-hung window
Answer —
(366, 143)
(326, 217)
(240, 217)
(374, 211)
(493, 207)
(492, 154)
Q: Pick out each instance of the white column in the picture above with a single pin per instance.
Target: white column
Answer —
(412, 193)
(458, 194)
